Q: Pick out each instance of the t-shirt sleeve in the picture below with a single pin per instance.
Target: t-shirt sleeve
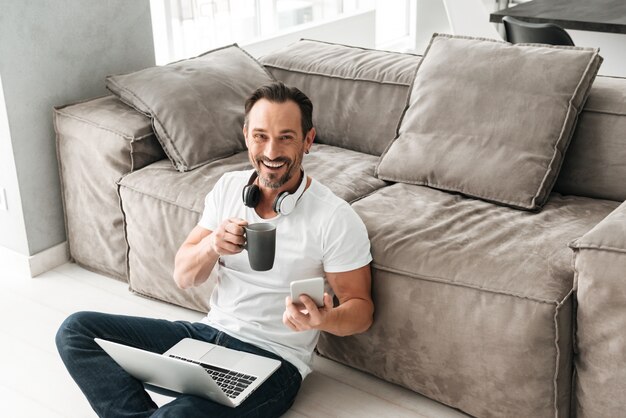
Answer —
(209, 219)
(346, 243)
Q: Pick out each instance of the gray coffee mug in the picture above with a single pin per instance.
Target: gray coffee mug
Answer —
(261, 245)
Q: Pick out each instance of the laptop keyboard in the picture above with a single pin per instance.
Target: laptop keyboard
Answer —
(231, 382)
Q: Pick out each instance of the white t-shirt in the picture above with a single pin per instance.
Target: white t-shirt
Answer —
(323, 233)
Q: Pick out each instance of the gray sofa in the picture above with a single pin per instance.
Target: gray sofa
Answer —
(485, 307)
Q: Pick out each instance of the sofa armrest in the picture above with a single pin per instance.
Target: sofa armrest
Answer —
(600, 361)
(98, 141)
(609, 235)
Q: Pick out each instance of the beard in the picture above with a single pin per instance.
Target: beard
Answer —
(273, 181)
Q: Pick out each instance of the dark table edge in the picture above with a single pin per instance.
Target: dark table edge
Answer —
(496, 17)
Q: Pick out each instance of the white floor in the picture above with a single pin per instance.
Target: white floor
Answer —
(34, 382)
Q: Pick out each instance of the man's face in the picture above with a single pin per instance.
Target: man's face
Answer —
(275, 141)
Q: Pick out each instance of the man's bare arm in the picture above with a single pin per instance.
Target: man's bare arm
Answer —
(197, 256)
(353, 315)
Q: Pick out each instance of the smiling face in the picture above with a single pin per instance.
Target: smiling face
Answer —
(276, 143)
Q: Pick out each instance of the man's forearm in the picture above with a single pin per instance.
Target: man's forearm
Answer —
(351, 317)
(193, 263)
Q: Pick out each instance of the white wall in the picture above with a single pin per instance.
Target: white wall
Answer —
(12, 229)
(612, 49)
(431, 17)
(53, 52)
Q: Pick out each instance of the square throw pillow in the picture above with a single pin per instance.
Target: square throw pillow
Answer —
(196, 105)
(490, 119)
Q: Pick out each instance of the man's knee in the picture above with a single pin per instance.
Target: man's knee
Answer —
(73, 326)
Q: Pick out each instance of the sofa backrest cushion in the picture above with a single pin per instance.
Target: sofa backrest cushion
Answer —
(595, 163)
(358, 94)
(490, 119)
(196, 105)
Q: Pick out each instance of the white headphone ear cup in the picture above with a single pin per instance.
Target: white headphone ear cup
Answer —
(285, 204)
(278, 202)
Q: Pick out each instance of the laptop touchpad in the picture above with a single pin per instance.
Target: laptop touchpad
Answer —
(223, 357)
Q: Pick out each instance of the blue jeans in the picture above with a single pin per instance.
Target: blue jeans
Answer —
(114, 393)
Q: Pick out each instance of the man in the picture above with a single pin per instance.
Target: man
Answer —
(250, 311)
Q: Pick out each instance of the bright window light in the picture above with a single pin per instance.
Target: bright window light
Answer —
(186, 28)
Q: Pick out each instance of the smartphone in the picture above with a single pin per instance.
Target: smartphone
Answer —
(313, 288)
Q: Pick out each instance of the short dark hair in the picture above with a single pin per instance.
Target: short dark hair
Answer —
(279, 93)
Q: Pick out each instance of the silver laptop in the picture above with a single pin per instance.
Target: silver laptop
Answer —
(195, 367)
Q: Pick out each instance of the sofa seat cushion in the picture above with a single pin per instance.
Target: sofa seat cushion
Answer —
(186, 190)
(471, 298)
(159, 201)
(349, 174)
(161, 206)
(445, 237)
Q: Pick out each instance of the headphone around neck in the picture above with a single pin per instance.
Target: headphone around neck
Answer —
(284, 203)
